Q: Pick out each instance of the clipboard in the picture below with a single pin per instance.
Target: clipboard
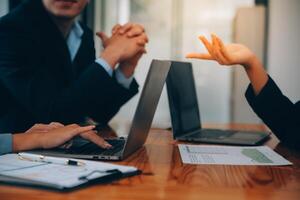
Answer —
(14, 171)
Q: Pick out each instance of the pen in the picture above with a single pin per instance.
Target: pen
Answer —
(46, 159)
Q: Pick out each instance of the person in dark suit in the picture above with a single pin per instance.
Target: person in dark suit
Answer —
(48, 68)
(280, 114)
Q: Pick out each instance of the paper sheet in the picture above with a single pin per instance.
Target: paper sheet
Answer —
(56, 174)
(228, 155)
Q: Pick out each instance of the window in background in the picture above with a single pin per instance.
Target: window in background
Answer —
(203, 17)
(3, 7)
(173, 27)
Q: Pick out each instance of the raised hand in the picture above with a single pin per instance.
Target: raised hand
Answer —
(230, 54)
(233, 54)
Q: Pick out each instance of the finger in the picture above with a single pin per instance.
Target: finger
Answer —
(203, 56)
(93, 137)
(102, 36)
(125, 28)
(49, 127)
(59, 136)
(135, 31)
(56, 124)
(115, 29)
(142, 40)
(223, 49)
(74, 130)
(207, 45)
(39, 128)
(217, 52)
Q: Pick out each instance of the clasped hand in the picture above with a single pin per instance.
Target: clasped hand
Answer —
(125, 46)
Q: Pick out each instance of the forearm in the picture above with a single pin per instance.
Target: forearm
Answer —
(23, 142)
(256, 74)
(111, 56)
(276, 110)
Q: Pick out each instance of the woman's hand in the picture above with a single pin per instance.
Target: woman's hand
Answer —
(230, 54)
(42, 128)
(233, 54)
(53, 135)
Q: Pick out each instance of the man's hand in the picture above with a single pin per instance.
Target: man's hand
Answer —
(128, 66)
(128, 44)
(131, 30)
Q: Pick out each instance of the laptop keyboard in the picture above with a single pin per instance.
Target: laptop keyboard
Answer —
(91, 148)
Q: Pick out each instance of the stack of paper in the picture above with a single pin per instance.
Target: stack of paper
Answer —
(15, 170)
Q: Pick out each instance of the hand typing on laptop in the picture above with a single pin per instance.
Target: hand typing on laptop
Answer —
(46, 136)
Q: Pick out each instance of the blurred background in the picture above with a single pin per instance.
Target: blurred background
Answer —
(271, 28)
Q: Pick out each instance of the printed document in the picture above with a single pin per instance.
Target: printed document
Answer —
(230, 155)
(63, 176)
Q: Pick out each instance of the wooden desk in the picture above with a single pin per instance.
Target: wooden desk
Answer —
(165, 177)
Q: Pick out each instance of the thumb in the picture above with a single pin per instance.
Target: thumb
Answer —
(104, 38)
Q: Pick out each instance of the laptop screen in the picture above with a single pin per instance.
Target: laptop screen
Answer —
(147, 104)
(182, 99)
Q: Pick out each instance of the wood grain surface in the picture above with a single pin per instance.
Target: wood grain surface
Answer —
(165, 177)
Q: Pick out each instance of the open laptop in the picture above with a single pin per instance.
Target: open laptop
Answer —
(140, 126)
(185, 116)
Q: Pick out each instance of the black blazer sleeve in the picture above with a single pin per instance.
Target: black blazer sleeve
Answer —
(38, 90)
(278, 112)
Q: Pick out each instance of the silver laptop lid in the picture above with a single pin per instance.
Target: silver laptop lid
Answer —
(147, 104)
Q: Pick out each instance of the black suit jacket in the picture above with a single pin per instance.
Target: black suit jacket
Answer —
(278, 112)
(38, 81)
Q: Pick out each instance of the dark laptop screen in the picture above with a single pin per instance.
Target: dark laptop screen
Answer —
(182, 99)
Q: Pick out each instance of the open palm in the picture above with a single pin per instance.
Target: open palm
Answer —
(230, 54)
